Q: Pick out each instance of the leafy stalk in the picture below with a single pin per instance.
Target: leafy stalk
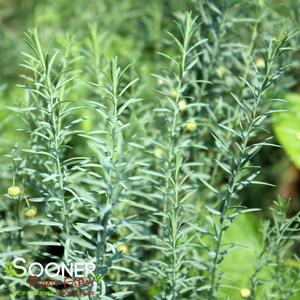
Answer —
(49, 126)
(174, 240)
(244, 150)
(111, 175)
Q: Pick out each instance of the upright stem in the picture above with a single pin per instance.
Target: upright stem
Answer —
(213, 273)
(172, 135)
(171, 195)
(229, 193)
(240, 94)
(55, 133)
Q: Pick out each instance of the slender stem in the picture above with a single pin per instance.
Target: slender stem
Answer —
(112, 172)
(56, 147)
(173, 165)
(231, 190)
(215, 261)
(240, 94)
(172, 135)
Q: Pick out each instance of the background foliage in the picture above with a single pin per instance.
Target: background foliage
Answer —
(139, 149)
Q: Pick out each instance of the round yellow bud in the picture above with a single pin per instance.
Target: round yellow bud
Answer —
(30, 212)
(191, 126)
(158, 152)
(122, 249)
(160, 81)
(182, 105)
(173, 94)
(245, 293)
(221, 71)
(260, 63)
(14, 192)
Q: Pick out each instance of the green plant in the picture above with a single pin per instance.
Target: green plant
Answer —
(43, 169)
(150, 192)
(111, 182)
(240, 150)
(276, 259)
(172, 265)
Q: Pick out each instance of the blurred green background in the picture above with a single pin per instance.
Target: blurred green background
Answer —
(135, 31)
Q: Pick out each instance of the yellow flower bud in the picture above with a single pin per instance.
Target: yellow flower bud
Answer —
(221, 71)
(173, 94)
(160, 81)
(191, 126)
(182, 105)
(158, 152)
(123, 249)
(30, 212)
(245, 293)
(14, 192)
(260, 62)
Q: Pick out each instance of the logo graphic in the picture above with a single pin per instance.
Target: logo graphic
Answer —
(10, 271)
(52, 269)
(76, 277)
